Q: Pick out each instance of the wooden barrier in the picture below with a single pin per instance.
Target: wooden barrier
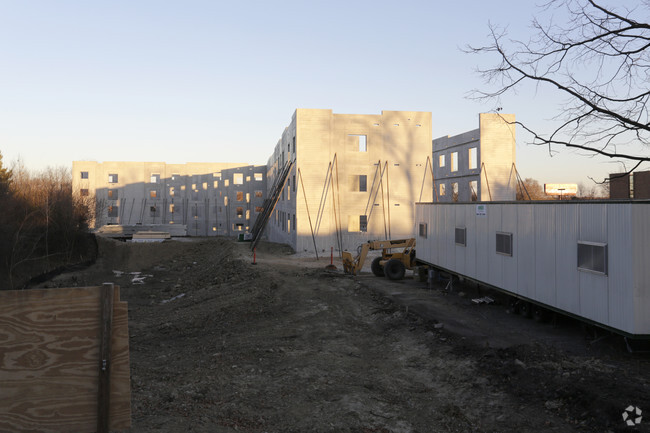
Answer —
(50, 362)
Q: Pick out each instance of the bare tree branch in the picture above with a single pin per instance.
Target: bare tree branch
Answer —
(599, 59)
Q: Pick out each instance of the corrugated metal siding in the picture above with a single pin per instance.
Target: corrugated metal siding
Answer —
(545, 238)
(641, 267)
(620, 272)
(545, 254)
(448, 234)
(510, 264)
(460, 251)
(567, 290)
(495, 261)
(525, 250)
(470, 250)
(483, 251)
(593, 287)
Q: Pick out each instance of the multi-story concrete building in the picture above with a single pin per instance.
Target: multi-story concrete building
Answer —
(355, 178)
(209, 198)
(477, 165)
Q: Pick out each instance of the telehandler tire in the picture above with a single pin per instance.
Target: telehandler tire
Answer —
(394, 269)
(377, 268)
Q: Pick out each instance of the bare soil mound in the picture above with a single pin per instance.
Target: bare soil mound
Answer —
(221, 345)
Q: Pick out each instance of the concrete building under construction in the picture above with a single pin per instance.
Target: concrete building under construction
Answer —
(353, 178)
(340, 180)
(477, 165)
(208, 198)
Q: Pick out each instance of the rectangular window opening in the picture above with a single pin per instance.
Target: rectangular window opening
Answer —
(592, 256)
(424, 230)
(238, 178)
(362, 142)
(441, 161)
(112, 178)
(473, 158)
(460, 236)
(473, 190)
(454, 161)
(504, 243)
(84, 175)
(363, 223)
(84, 192)
(155, 178)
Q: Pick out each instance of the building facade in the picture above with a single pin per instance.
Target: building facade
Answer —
(630, 186)
(477, 165)
(209, 198)
(354, 178)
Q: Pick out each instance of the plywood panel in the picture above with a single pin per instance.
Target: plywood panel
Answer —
(49, 361)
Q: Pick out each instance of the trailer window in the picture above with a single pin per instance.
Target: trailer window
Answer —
(592, 256)
(423, 230)
(461, 236)
(504, 243)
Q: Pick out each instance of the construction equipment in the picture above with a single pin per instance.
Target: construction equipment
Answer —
(389, 264)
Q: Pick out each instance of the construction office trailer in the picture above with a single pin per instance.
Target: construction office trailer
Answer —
(587, 259)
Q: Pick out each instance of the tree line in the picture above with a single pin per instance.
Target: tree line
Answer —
(43, 227)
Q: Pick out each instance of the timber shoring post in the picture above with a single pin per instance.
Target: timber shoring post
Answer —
(104, 388)
(388, 198)
(484, 170)
(302, 185)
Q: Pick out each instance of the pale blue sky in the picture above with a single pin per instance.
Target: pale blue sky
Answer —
(203, 80)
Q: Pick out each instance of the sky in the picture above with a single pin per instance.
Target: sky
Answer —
(210, 80)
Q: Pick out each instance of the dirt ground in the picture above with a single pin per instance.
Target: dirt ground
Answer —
(220, 345)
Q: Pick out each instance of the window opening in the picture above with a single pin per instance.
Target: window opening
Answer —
(504, 243)
(363, 223)
(473, 158)
(460, 236)
(592, 256)
(473, 190)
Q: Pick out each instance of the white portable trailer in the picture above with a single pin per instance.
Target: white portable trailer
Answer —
(587, 259)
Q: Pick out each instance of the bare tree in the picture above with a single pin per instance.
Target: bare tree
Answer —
(599, 60)
(531, 190)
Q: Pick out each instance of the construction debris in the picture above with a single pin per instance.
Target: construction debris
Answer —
(483, 300)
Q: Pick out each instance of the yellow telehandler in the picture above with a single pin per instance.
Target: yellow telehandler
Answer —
(389, 264)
